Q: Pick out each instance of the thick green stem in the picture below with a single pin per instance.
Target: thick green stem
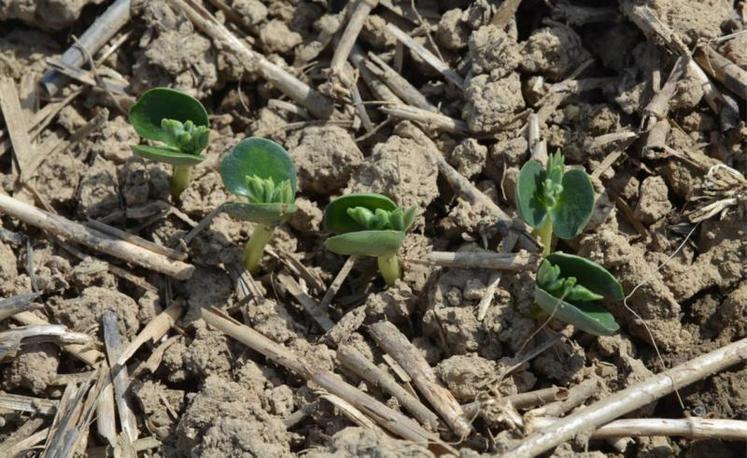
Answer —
(389, 268)
(255, 247)
(180, 180)
(544, 233)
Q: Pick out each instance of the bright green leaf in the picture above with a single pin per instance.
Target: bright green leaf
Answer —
(261, 158)
(161, 103)
(337, 219)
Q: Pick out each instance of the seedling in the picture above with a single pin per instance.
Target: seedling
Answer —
(179, 123)
(570, 289)
(554, 200)
(264, 173)
(369, 225)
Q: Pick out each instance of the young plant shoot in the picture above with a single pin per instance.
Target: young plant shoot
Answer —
(264, 173)
(553, 200)
(179, 123)
(369, 225)
(570, 288)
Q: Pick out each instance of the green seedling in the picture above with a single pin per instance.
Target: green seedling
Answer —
(570, 288)
(179, 123)
(263, 172)
(553, 200)
(369, 225)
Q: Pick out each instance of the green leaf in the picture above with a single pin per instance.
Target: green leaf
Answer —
(164, 103)
(261, 158)
(337, 219)
(167, 155)
(267, 214)
(529, 188)
(366, 243)
(589, 274)
(588, 317)
(575, 204)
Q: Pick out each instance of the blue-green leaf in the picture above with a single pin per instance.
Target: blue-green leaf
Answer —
(529, 193)
(588, 317)
(267, 214)
(366, 243)
(575, 205)
(167, 155)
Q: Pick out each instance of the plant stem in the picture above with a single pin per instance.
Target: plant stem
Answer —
(255, 247)
(544, 233)
(389, 268)
(180, 180)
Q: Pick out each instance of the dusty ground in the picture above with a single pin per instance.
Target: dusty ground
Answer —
(210, 396)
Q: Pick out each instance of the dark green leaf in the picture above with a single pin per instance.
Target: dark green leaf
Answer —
(258, 157)
(589, 274)
(169, 156)
(573, 209)
(529, 193)
(164, 103)
(366, 243)
(268, 214)
(337, 219)
(588, 317)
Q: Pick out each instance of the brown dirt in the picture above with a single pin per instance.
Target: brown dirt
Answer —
(209, 395)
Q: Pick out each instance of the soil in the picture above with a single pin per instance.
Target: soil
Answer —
(585, 68)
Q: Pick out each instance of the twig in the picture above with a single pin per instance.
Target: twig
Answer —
(70, 427)
(389, 419)
(412, 361)
(357, 18)
(10, 105)
(430, 58)
(353, 360)
(576, 396)
(288, 84)
(101, 31)
(360, 108)
(205, 222)
(22, 433)
(106, 421)
(507, 246)
(367, 71)
(119, 375)
(26, 443)
(631, 398)
(154, 330)
(715, 99)
(483, 259)
(519, 401)
(537, 145)
(296, 417)
(658, 108)
(691, 428)
(63, 227)
(22, 403)
(84, 76)
(89, 356)
(398, 84)
(18, 303)
(12, 339)
(314, 310)
(724, 70)
(429, 119)
(137, 240)
(337, 282)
